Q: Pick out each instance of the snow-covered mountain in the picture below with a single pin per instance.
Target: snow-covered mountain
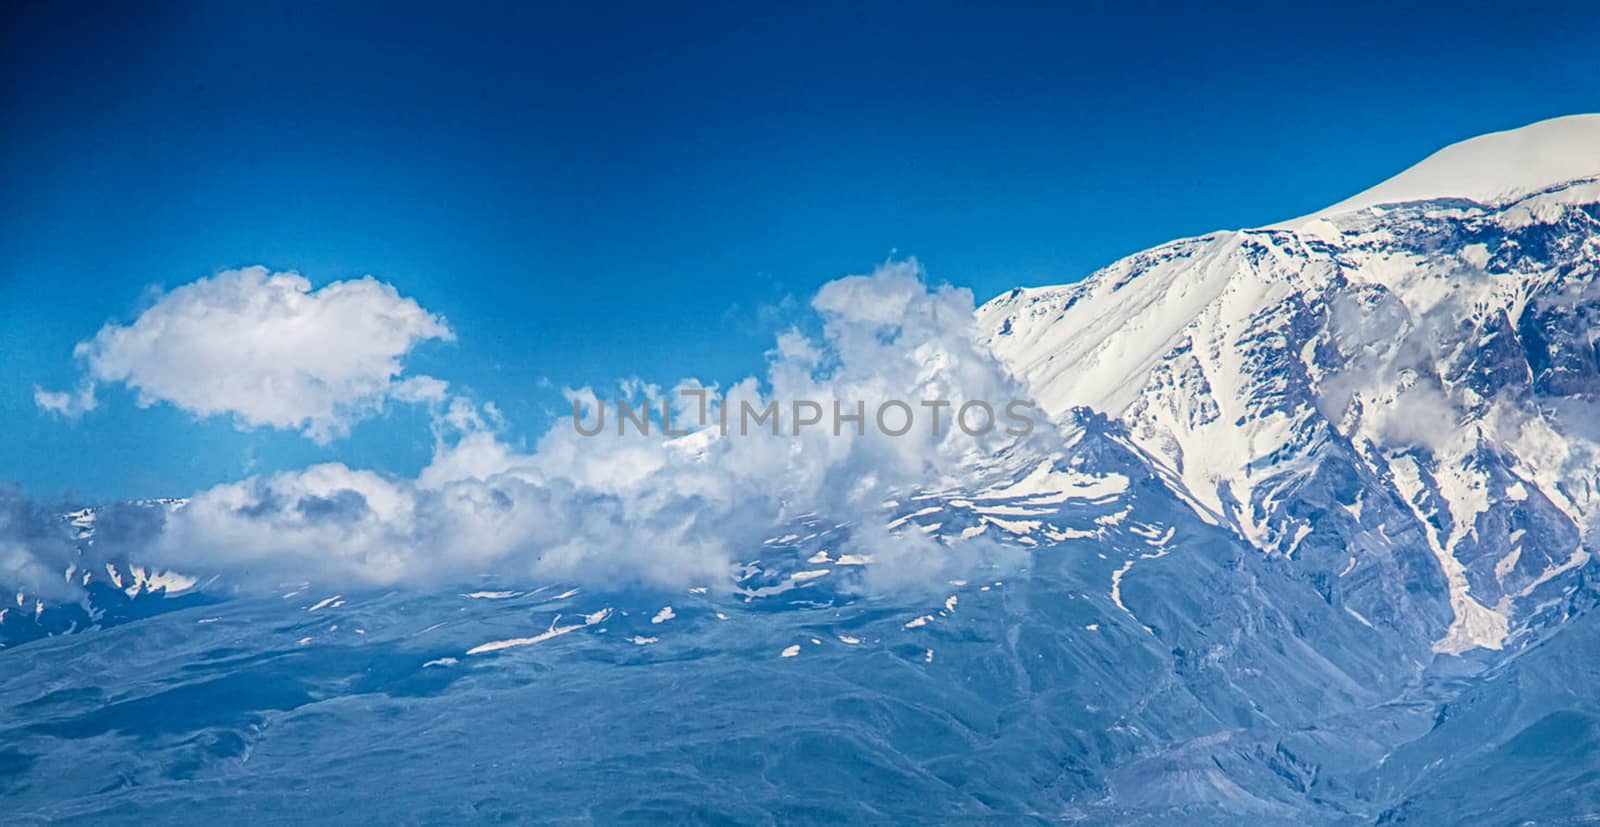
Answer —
(1373, 382)
(1314, 548)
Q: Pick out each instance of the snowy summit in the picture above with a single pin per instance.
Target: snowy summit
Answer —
(1489, 168)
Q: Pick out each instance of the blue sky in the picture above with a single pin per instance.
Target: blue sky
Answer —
(587, 196)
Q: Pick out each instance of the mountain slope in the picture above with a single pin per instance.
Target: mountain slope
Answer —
(1058, 682)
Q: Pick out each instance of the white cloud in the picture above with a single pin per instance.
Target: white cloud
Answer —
(609, 508)
(421, 389)
(68, 405)
(269, 350)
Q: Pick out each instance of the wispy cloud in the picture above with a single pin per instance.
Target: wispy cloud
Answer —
(65, 404)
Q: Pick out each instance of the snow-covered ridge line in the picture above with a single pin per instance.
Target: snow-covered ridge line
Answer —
(1489, 169)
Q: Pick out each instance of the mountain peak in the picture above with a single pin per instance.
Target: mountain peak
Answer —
(1490, 167)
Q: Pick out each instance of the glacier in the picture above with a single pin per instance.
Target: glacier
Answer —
(1314, 547)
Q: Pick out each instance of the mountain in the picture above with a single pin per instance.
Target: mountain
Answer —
(1399, 377)
(1315, 547)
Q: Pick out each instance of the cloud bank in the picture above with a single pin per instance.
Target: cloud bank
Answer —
(265, 349)
(610, 509)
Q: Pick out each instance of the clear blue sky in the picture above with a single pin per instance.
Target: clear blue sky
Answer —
(595, 194)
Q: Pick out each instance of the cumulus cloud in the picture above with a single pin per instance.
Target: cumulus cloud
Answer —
(657, 509)
(268, 350)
